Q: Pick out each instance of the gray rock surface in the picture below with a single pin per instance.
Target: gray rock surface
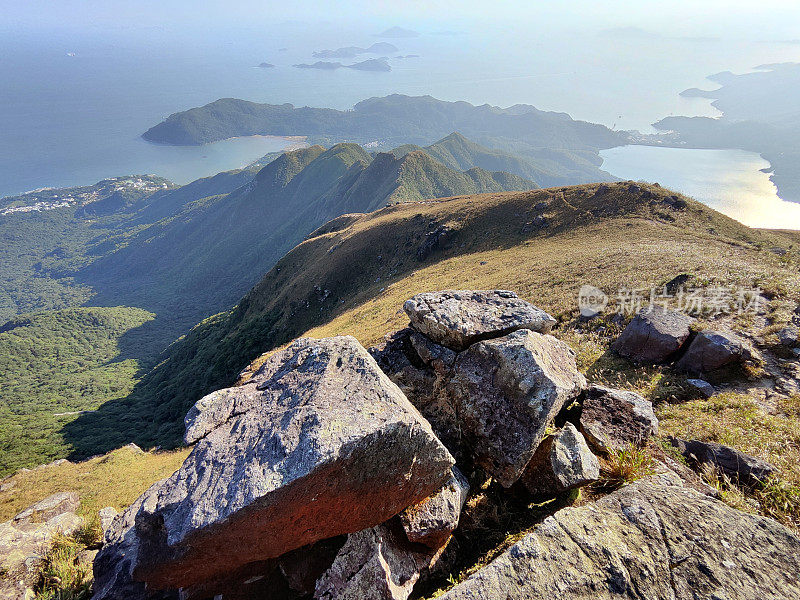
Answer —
(611, 418)
(433, 520)
(562, 462)
(712, 350)
(107, 516)
(458, 318)
(375, 564)
(319, 443)
(737, 465)
(653, 335)
(25, 539)
(788, 335)
(702, 387)
(506, 392)
(653, 540)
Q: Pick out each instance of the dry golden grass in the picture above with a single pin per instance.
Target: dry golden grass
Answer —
(115, 479)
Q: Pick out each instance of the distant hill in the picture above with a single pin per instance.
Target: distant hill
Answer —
(546, 167)
(761, 113)
(389, 122)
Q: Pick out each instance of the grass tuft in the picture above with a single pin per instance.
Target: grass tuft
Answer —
(625, 466)
(64, 574)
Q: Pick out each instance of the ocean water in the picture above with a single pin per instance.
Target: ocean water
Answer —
(730, 181)
(73, 103)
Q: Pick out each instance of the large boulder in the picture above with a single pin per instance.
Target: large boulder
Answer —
(25, 539)
(459, 318)
(653, 539)
(506, 392)
(433, 520)
(654, 335)
(317, 444)
(713, 350)
(375, 564)
(612, 419)
(737, 465)
(562, 462)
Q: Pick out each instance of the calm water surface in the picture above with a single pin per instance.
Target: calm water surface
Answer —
(730, 181)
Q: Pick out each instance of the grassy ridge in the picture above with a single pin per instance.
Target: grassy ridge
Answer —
(355, 273)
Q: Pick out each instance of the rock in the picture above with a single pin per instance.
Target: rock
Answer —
(52, 506)
(374, 564)
(434, 240)
(423, 384)
(302, 568)
(653, 539)
(458, 318)
(113, 565)
(432, 521)
(25, 539)
(562, 462)
(654, 335)
(506, 392)
(788, 335)
(319, 443)
(702, 387)
(739, 466)
(713, 350)
(611, 418)
(107, 516)
(634, 189)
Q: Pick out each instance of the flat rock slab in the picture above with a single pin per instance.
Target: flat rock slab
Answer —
(562, 462)
(612, 419)
(375, 564)
(27, 537)
(739, 466)
(506, 392)
(713, 350)
(319, 443)
(433, 520)
(457, 319)
(654, 335)
(653, 539)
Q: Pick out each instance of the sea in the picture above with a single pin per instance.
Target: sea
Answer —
(75, 101)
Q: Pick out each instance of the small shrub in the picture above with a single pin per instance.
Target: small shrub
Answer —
(780, 500)
(62, 574)
(625, 466)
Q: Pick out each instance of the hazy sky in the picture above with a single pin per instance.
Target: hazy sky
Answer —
(766, 18)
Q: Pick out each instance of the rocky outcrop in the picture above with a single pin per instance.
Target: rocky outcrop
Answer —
(562, 462)
(506, 391)
(319, 443)
(654, 335)
(433, 520)
(25, 539)
(653, 539)
(714, 350)
(375, 564)
(740, 467)
(458, 318)
(702, 387)
(611, 419)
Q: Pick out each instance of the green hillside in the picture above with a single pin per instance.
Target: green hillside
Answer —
(53, 366)
(543, 243)
(207, 255)
(556, 143)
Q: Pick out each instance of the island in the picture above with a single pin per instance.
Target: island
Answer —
(398, 32)
(353, 51)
